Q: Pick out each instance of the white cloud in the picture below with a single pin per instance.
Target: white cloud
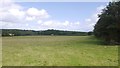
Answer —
(39, 21)
(90, 22)
(13, 13)
(27, 24)
(34, 12)
(8, 4)
(16, 12)
(29, 18)
(77, 23)
(14, 16)
(66, 23)
(48, 23)
(100, 8)
(55, 24)
(4, 24)
(10, 12)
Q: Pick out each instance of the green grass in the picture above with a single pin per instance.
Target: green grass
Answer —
(0, 51)
(57, 51)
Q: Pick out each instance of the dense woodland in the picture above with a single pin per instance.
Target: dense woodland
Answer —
(108, 25)
(17, 32)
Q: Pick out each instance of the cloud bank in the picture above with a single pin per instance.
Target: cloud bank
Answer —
(14, 16)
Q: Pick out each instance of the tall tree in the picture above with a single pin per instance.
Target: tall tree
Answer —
(108, 25)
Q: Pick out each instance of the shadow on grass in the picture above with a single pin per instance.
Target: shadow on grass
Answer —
(95, 41)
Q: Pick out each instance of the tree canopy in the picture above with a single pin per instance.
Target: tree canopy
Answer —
(17, 32)
(108, 25)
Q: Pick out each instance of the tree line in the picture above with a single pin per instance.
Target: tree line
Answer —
(18, 32)
(108, 25)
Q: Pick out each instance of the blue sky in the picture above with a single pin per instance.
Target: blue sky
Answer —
(72, 16)
(72, 11)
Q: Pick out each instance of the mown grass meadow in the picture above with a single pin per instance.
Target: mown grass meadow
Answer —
(57, 51)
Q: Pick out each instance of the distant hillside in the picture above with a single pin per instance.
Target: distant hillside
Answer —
(18, 32)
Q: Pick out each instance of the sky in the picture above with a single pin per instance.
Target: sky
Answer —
(71, 16)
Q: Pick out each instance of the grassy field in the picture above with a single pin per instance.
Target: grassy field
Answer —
(0, 51)
(57, 51)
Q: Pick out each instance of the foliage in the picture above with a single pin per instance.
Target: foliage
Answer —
(90, 33)
(108, 25)
(16, 32)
